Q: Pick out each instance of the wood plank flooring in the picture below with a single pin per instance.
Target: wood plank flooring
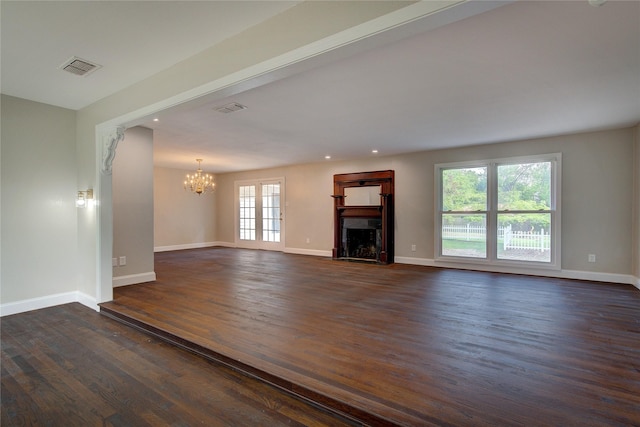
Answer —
(69, 366)
(400, 344)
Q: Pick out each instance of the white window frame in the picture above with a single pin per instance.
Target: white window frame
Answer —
(492, 212)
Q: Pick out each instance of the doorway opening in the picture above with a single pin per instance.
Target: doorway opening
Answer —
(259, 208)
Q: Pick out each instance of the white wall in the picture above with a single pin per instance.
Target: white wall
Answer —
(39, 236)
(597, 194)
(133, 207)
(182, 219)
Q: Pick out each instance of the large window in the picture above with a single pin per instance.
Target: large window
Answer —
(501, 211)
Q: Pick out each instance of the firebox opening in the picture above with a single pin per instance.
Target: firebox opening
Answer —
(361, 238)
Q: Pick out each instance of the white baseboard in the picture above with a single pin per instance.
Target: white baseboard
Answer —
(133, 279)
(313, 252)
(187, 246)
(626, 279)
(87, 301)
(563, 274)
(414, 261)
(48, 301)
(225, 244)
(637, 282)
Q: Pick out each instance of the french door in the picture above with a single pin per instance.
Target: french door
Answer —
(260, 214)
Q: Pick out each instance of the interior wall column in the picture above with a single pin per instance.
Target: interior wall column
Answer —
(107, 141)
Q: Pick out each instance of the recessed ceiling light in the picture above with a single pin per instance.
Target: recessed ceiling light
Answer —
(374, 151)
(156, 119)
(327, 157)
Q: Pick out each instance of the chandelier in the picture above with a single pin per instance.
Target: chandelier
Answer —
(198, 182)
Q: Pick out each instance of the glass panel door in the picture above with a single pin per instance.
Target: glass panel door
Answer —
(247, 200)
(271, 213)
(260, 215)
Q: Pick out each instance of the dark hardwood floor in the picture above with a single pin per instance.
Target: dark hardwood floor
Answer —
(402, 344)
(69, 366)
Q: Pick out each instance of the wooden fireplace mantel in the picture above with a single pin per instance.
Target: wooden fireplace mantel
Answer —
(383, 211)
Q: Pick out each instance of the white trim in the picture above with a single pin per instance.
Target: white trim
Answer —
(48, 301)
(185, 246)
(312, 252)
(594, 276)
(226, 244)
(637, 282)
(426, 262)
(194, 246)
(133, 279)
(87, 301)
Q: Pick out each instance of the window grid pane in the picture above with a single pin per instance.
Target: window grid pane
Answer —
(271, 212)
(464, 235)
(524, 186)
(526, 189)
(464, 190)
(524, 237)
(247, 198)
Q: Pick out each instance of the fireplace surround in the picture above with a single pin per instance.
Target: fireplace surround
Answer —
(363, 216)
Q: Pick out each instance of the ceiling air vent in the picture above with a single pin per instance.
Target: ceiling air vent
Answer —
(230, 108)
(79, 66)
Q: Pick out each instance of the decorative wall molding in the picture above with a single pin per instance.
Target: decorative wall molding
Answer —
(110, 142)
(134, 279)
(48, 301)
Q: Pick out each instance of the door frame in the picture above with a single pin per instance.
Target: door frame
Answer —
(259, 244)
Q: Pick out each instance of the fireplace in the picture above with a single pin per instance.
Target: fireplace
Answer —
(363, 216)
(361, 238)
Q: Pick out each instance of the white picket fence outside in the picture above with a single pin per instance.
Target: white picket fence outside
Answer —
(531, 240)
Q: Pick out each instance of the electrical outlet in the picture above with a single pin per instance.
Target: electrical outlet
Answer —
(114, 262)
(592, 258)
(413, 248)
(123, 260)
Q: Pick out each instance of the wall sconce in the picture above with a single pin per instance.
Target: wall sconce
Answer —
(85, 198)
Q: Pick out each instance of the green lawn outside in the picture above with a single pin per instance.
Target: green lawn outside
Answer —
(477, 249)
(463, 244)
